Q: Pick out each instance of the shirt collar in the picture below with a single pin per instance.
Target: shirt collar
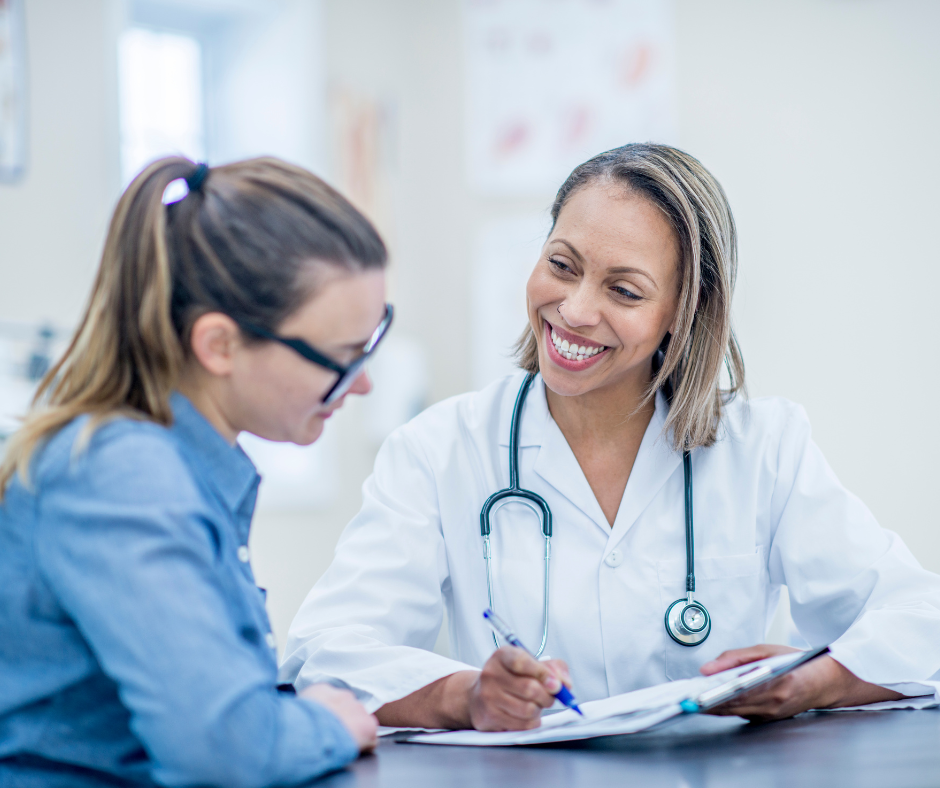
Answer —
(225, 468)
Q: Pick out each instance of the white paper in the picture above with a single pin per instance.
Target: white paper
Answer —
(917, 702)
(386, 730)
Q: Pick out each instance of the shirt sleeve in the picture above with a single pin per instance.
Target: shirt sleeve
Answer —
(852, 583)
(125, 543)
(370, 622)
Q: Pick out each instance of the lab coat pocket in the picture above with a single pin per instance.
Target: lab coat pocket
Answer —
(733, 589)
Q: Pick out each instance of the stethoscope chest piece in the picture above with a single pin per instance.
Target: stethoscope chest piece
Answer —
(688, 622)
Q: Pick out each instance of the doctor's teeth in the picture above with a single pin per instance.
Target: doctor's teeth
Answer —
(572, 350)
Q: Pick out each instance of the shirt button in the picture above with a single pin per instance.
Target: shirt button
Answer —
(243, 554)
(614, 558)
(270, 640)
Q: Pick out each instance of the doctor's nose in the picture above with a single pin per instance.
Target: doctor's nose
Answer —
(580, 309)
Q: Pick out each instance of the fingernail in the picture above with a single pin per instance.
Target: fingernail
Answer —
(552, 684)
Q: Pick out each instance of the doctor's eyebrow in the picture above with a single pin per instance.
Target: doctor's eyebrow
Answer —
(619, 269)
(570, 246)
(625, 269)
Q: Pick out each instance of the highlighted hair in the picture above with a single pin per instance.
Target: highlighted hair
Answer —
(704, 342)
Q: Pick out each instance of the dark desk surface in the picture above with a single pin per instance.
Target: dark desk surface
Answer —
(894, 749)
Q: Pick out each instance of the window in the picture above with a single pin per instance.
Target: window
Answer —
(161, 100)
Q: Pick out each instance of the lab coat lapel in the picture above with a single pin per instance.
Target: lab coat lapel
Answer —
(558, 466)
(654, 465)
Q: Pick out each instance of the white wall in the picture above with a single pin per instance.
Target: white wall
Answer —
(820, 120)
(52, 223)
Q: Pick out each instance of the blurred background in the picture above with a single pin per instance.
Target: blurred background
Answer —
(451, 123)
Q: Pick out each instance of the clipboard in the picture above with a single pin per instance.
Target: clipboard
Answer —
(632, 712)
(759, 674)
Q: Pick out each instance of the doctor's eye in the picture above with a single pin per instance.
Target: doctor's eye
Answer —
(559, 266)
(624, 293)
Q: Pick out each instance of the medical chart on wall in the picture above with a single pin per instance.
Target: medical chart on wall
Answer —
(12, 91)
(550, 83)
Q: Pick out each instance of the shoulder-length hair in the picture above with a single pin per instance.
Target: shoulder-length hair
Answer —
(697, 209)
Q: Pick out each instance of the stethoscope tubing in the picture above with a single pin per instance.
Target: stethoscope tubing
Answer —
(675, 620)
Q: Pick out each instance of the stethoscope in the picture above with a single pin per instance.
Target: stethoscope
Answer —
(687, 621)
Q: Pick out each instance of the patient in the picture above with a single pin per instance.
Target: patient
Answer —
(134, 643)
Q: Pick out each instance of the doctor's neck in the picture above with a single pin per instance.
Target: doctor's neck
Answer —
(607, 414)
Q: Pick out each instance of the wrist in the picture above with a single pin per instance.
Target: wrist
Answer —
(835, 685)
(456, 695)
(844, 688)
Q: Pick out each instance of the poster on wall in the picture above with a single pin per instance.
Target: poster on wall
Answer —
(550, 83)
(12, 91)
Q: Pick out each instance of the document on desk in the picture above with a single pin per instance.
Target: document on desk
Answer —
(635, 711)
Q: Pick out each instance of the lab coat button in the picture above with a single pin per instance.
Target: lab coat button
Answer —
(243, 554)
(614, 558)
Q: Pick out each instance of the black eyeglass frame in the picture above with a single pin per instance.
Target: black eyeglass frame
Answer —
(347, 374)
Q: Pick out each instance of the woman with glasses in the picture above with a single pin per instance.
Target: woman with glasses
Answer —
(134, 643)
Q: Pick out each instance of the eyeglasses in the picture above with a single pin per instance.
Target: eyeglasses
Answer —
(347, 375)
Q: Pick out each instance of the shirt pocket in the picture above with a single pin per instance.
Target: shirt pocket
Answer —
(733, 589)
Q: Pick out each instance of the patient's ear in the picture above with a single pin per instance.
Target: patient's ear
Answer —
(213, 340)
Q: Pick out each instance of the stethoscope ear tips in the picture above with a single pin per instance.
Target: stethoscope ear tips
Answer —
(688, 622)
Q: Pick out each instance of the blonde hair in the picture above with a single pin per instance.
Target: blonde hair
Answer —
(689, 361)
(236, 244)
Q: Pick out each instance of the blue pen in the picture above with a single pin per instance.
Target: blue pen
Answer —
(503, 630)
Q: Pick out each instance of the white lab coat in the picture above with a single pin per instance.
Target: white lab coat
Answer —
(768, 511)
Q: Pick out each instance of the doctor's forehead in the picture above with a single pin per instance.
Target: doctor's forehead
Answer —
(608, 226)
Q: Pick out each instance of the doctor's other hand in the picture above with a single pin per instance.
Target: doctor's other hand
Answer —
(513, 688)
(821, 683)
(362, 726)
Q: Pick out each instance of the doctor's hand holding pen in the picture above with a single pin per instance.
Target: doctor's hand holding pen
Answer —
(509, 694)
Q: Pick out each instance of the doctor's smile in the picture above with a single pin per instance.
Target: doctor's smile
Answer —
(570, 351)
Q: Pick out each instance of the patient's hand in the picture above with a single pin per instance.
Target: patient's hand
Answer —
(362, 726)
(821, 683)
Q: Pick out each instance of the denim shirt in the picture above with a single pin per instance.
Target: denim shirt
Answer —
(133, 639)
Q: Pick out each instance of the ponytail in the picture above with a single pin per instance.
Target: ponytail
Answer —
(236, 244)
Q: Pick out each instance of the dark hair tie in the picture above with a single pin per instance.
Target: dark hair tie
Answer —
(198, 177)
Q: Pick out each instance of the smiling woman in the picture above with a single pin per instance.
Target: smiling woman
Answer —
(670, 245)
(617, 406)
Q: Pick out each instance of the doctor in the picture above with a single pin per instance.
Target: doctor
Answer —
(629, 329)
